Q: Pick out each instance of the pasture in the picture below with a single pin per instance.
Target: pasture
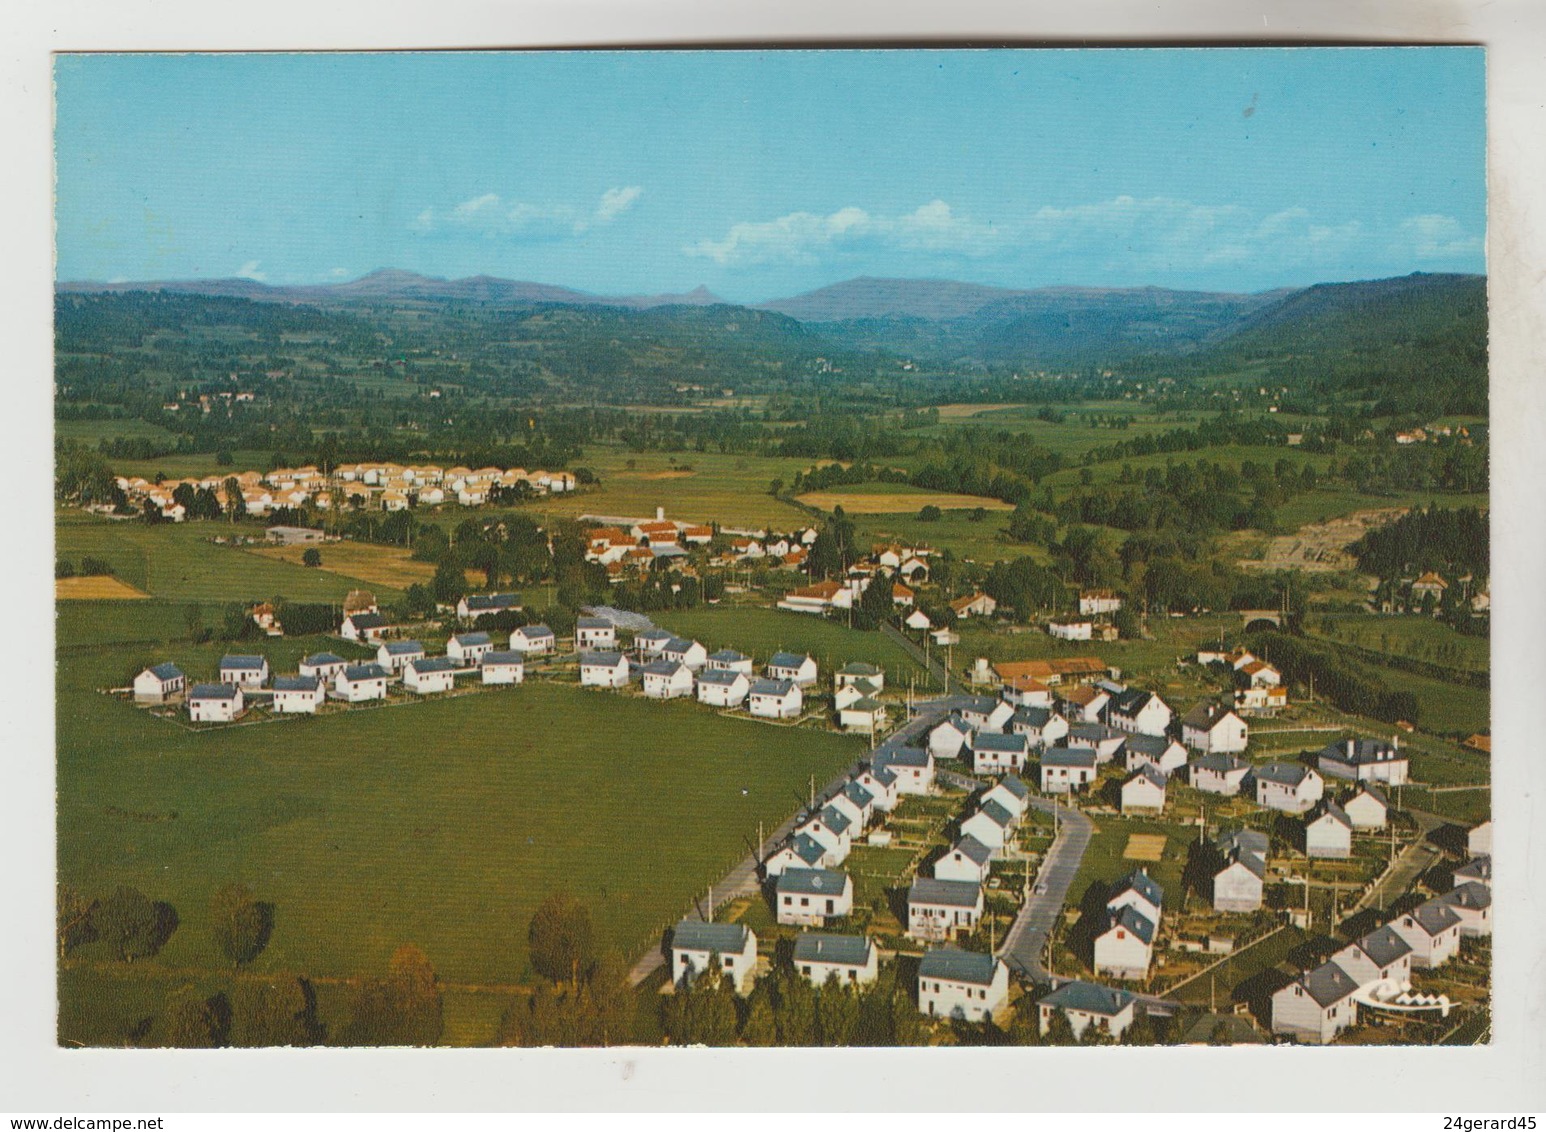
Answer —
(1417, 638)
(956, 531)
(386, 568)
(894, 499)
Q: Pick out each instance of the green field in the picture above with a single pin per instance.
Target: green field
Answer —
(1418, 638)
(440, 823)
(94, 431)
(762, 632)
(1330, 502)
(982, 541)
(1074, 436)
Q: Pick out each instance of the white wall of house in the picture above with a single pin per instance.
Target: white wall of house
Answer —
(427, 683)
(806, 910)
(1121, 954)
(1081, 1020)
(359, 691)
(818, 972)
(299, 702)
(503, 673)
(740, 967)
(938, 922)
(603, 676)
(949, 998)
(724, 695)
(1326, 837)
(1297, 1014)
(215, 710)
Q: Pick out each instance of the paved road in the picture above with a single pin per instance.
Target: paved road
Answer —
(1027, 938)
(931, 664)
(1415, 858)
(742, 880)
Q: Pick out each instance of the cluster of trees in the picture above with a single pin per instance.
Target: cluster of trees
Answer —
(583, 997)
(835, 475)
(1353, 689)
(89, 568)
(131, 926)
(1453, 542)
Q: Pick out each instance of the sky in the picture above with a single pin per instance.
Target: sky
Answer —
(765, 174)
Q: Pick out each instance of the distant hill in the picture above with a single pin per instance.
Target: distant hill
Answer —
(867, 297)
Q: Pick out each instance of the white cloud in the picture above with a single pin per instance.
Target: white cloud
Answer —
(804, 237)
(249, 270)
(1433, 236)
(338, 272)
(490, 215)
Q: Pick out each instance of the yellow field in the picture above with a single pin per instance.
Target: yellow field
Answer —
(387, 566)
(97, 588)
(1145, 847)
(885, 503)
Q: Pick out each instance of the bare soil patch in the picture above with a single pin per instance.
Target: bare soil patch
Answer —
(1145, 847)
(1322, 547)
(95, 588)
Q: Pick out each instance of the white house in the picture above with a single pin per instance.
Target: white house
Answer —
(603, 670)
(998, 754)
(833, 829)
(723, 689)
(853, 673)
(684, 651)
(1042, 726)
(856, 801)
(1140, 891)
(967, 860)
(990, 824)
(1290, 787)
(1380, 954)
(1070, 630)
(1125, 949)
(533, 640)
(853, 693)
(244, 671)
(1472, 902)
(966, 985)
(1011, 793)
(1165, 755)
(938, 909)
(298, 694)
(474, 606)
(1139, 713)
(1260, 674)
(913, 767)
(1108, 1009)
(394, 656)
(594, 633)
(948, 736)
(1084, 704)
(666, 680)
(324, 665)
(159, 683)
(1364, 760)
(1094, 603)
(649, 642)
(367, 628)
(793, 667)
(502, 666)
(467, 649)
(811, 897)
(802, 851)
(864, 714)
(1317, 1006)
(1328, 833)
(1026, 691)
(1145, 790)
(1066, 769)
(1237, 887)
(974, 605)
(1105, 741)
(1479, 840)
(357, 683)
(986, 713)
(1432, 930)
(729, 660)
(1478, 869)
(733, 947)
(214, 703)
(774, 699)
(917, 620)
(1214, 729)
(846, 958)
(882, 787)
(1367, 809)
(1219, 774)
(429, 675)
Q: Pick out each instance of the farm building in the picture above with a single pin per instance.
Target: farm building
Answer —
(1365, 760)
(1144, 791)
(1328, 833)
(846, 958)
(1065, 769)
(774, 699)
(723, 689)
(967, 860)
(1219, 774)
(214, 703)
(360, 682)
(394, 656)
(159, 683)
(939, 909)
(1317, 1006)
(967, 985)
(303, 694)
(1290, 787)
(593, 633)
(1108, 1009)
(429, 675)
(502, 666)
(666, 680)
(603, 670)
(469, 648)
(1214, 729)
(729, 660)
(244, 671)
(324, 665)
(694, 943)
(811, 897)
(366, 628)
(533, 640)
(793, 667)
(912, 766)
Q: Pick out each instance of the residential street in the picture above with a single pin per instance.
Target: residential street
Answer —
(1024, 944)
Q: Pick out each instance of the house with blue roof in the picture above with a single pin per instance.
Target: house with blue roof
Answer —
(159, 683)
(594, 633)
(502, 666)
(473, 606)
(802, 851)
(792, 666)
(215, 703)
(991, 824)
(1109, 1009)
(1064, 770)
(913, 767)
(533, 640)
(723, 689)
(467, 649)
(811, 897)
(244, 671)
(1042, 726)
(774, 699)
(729, 660)
(995, 753)
(949, 737)
(666, 680)
(685, 651)
(603, 670)
(881, 785)
(967, 860)
(298, 694)
(429, 675)
(967, 985)
(731, 948)
(358, 683)
(1126, 948)
(821, 957)
(394, 656)
(941, 909)
(323, 665)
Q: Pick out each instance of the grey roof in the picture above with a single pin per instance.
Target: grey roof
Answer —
(883, 775)
(859, 668)
(1143, 884)
(1093, 733)
(678, 644)
(213, 692)
(367, 620)
(1328, 984)
(492, 601)
(434, 664)
(166, 670)
(1434, 917)
(1151, 745)
(356, 672)
(592, 623)
(858, 795)
(533, 631)
(728, 656)
(987, 741)
(496, 657)
(996, 813)
(954, 721)
(478, 638)
(1067, 756)
(834, 819)
(1131, 701)
(1361, 752)
(1205, 715)
(718, 676)
(954, 893)
(766, 687)
(601, 659)
(812, 882)
(1242, 842)
(902, 756)
(652, 635)
(1015, 787)
(1252, 862)
(787, 660)
(981, 705)
(401, 648)
(296, 683)
(695, 935)
(1033, 717)
(1148, 772)
(1331, 810)
(241, 662)
(1468, 895)
(1285, 774)
(1220, 763)
(1384, 945)
(1089, 998)
(972, 849)
(1479, 868)
(846, 950)
(865, 687)
(317, 659)
(807, 848)
(663, 668)
(958, 966)
(1374, 792)
(864, 703)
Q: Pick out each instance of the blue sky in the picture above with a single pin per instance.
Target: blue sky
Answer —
(762, 174)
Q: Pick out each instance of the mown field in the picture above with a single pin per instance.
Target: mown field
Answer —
(1417, 638)
(1074, 435)
(387, 568)
(896, 499)
(440, 823)
(980, 540)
